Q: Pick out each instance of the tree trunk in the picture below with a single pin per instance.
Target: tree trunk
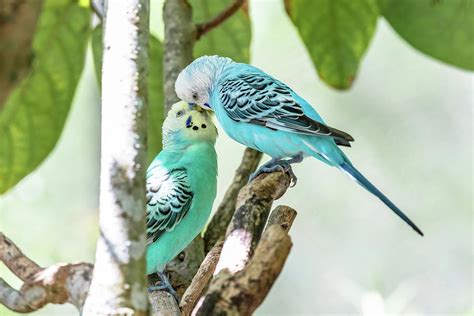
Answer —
(180, 34)
(119, 284)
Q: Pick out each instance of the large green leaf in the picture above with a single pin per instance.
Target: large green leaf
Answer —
(443, 29)
(230, 39)
(34, 113)
(155, 87)
(336, 34)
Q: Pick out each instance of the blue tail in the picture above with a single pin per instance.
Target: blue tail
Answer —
(348, 168)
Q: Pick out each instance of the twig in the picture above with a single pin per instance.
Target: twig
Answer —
(221, 219)
(58, 284)
(203, 28)
(200, 280)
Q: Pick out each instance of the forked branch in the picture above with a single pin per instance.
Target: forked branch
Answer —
(58, 284)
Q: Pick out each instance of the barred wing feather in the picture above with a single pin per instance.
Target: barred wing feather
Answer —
(169, 198)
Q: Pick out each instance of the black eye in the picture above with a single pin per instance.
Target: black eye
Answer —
(180, 113)
(195, 95)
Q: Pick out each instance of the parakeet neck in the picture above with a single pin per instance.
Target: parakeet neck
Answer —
(175, 141)
(218, 66)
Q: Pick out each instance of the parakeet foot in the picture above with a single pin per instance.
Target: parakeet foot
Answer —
(276, 165)
(164, 285)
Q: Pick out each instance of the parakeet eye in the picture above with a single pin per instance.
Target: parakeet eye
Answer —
(180, 113)
(195, 95)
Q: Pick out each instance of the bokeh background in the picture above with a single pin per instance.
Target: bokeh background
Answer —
(411, 117)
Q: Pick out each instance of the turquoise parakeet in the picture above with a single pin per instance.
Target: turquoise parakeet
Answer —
(180, 186)
(263, 113)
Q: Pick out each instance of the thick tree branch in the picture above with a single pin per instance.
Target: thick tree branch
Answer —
(221, 219)
(200, 280)
(241, 293)
(203, 28)
(119, 283)
(58, 284)
(252, 209)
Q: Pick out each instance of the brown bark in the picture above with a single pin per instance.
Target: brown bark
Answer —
(242, 292)
(252, 209)
(58, 284)
(178, 45)
(221, 219)
(200, 280)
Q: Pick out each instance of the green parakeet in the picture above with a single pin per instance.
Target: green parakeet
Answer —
(180, 186)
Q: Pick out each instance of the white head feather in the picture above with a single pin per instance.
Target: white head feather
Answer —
(195, 82)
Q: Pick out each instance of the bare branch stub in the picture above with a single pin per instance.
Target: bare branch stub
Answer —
(283, 216)
(200, 280)
(241, 293)
(221, 219)
(203, 28)
(58, 284)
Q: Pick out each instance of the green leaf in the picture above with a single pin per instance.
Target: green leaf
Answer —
(336, 34)
(229, 39)
(155, 88)
(443, 29)
(34, 113)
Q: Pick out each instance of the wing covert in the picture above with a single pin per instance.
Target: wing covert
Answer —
(169, 197)
(259, 99)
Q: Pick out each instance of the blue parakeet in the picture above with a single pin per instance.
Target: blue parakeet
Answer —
(180, 186)
(263, 113)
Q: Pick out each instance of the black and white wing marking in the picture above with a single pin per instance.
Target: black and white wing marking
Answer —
(259, 99)
(169, 198)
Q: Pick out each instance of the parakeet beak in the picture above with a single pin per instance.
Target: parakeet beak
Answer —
(199, 109)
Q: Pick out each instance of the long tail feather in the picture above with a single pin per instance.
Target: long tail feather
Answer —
(356, 175)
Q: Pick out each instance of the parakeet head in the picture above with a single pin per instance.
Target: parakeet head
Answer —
(195, 82)
(186, 123)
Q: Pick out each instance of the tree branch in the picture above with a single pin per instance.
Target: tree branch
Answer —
(242, 292)
(200, 280)
(221, 219)
(252, 209)
(163, 304)
(178, 45)
(58, 284)
(203, 28)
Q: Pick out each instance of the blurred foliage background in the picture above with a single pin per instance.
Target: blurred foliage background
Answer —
(411, 116)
